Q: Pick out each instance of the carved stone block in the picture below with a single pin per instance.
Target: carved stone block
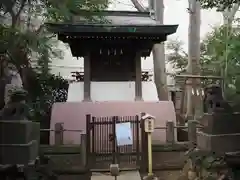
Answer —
(19, 132)
(18, 153)
(218, 143)
(221, 123)
(114, 169)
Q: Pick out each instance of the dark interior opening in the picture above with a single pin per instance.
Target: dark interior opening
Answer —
(113, 66)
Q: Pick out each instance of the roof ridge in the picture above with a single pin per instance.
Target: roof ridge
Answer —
(115, 13)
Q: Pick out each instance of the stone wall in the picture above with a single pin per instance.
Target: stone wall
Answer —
(167, 158)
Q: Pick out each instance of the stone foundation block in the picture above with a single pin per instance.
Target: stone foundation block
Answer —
(19, 153)
(35, 133)
(19, 132)
(218, 143)
(221, 123)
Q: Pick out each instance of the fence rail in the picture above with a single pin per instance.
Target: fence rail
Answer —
(176, 127)
(191, 128)
(59, 132)
(54, 130)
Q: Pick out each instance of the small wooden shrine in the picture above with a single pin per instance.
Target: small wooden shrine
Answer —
(112, 50)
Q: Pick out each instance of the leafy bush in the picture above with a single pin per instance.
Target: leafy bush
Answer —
(45, 90)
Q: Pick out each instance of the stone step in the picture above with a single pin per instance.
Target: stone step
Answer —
(65, 160)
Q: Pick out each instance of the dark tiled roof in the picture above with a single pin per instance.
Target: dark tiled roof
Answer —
(116, 21)
(110, 28)
(128, 18)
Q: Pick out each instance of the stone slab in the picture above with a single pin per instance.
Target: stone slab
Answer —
(124, 175)
(218, 143)
(221, 123)
(19, 132)
(19, 153)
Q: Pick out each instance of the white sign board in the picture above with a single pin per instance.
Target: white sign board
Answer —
(124, 134)
(149, 125)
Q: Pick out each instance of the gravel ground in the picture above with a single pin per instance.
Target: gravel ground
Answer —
(167, 175)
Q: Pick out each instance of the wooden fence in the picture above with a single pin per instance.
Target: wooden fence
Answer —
(59, 132)
(191, 129)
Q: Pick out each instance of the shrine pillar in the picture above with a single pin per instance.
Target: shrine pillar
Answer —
(138, 80)
(87, 78)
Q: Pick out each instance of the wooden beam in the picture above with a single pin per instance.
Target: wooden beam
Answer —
(87, 78)
(197, 76)
(138, 80)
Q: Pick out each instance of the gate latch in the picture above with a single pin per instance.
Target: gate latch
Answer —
(114, 170)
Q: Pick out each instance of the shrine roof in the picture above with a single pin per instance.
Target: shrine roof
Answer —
(115, 22)
(125, 17)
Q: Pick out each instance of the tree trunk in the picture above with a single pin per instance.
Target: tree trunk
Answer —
(228, 18)
(160, 77)
(193, 66)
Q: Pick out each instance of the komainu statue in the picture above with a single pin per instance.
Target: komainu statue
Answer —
(213, 100)
(10, 79)
(16, 108)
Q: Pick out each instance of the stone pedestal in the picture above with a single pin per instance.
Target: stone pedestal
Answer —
(221, 133)
(19, 142)
(218, 143)
(18, 153)
(221, 123)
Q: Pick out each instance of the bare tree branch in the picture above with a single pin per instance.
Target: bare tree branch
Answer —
(21, 8)
(15, 16)
(229, 14)
(138, 6)
(40, 29)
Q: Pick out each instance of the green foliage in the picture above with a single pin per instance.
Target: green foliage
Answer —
(30, 48)
(177, 56)
(219, 4)
(18, 46)
(57, 11)
(220, 53)
(205, 159)
(46, 89)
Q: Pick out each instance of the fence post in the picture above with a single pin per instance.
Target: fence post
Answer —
(144, 142)
(88, 141)
(58, 133)
(170, 132)
(192, 133)
(84, 150)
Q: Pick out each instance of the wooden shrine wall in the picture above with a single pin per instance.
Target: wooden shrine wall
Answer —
(112, 67)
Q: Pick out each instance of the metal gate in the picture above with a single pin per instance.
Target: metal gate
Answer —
(102, 149)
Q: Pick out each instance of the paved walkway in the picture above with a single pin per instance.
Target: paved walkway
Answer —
(125, 175)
